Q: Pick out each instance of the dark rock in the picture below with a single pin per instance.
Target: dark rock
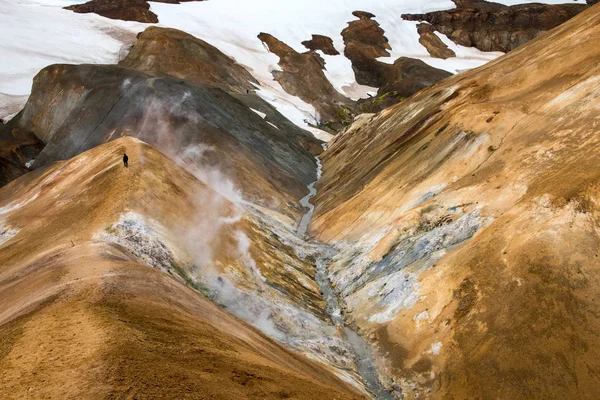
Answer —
(323, 43)
(412, 75)
(365, 42)
(126, 10)
(434, 45)
(407, 77)
(75, 108)
(302, 75)
(176, 53)
(495, 27)
(363, 14)
(17, 149)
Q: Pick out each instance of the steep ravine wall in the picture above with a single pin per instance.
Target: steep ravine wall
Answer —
(467, 227)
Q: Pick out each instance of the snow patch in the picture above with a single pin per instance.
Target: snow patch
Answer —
(261, 114)
(230, 25)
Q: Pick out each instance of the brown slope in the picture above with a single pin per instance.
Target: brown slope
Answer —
(176, 53)
(82, 318)
(472, 210)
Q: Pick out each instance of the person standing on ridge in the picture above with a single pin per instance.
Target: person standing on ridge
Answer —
(125, 160)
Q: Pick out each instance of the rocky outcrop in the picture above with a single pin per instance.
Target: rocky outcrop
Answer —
(490, 26)
(405, 77)
(467, 217)
(364, 42)
(126, 10)
(176, 53)
(323, 43)
(434, 45)
(302, 75)
(411, 75)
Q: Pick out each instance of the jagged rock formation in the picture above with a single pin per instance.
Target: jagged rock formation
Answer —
(432, 43)
(323, 43)
(302, 75)
(97, 263)
(176, 53)
(365, 42)
(490, 26)
(126, 10)
(467, 217)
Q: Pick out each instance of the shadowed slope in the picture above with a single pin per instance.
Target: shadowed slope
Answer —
(74, 108)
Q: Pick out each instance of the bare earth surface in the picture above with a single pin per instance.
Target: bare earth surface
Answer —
(80, 319)
(469, 220)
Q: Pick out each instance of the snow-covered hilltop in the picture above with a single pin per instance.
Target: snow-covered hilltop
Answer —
(37, 33)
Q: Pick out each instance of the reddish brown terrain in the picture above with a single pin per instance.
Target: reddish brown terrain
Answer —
(176, 53)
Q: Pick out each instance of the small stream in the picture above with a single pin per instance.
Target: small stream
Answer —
(363, 354)
(305, 201)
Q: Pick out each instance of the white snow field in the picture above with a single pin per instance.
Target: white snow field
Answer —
(38, 33)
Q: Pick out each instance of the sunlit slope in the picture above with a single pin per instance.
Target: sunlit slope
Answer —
(81, 316)
(469, 220)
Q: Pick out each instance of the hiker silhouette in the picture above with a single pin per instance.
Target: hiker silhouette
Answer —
(125, 160)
